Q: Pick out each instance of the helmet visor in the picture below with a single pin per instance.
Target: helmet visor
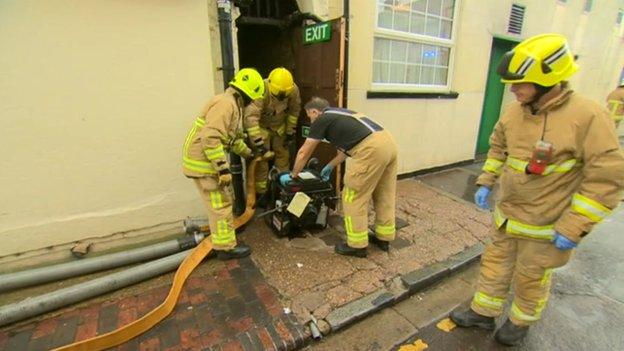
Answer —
(505, 73)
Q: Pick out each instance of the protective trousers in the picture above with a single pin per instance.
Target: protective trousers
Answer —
(371, 172)
(274, 142)
(217, 200)
(529, 263)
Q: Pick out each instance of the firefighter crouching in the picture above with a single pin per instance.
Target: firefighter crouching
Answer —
(271, 123)
(561, 171)
(217, 130)
(371, 171)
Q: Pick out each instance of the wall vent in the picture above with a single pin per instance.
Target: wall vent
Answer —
(516, 19)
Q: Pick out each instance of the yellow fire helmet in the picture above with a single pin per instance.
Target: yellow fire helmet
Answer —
(281, 82)
(250, 82)
(544, 59)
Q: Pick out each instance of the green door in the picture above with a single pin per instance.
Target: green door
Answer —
(494, 91)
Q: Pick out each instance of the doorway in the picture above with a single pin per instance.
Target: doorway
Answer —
(495, 96)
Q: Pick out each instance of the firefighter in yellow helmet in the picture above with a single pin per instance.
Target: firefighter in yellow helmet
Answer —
(271, 122)
(615, 104)
(561, 171)
(217, 130)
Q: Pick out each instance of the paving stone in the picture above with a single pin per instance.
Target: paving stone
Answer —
(419, 279)
(65, 332)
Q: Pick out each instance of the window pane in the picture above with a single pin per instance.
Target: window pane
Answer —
(434, 7)
(382, 49)
(447, 8)
(398, 51)
(380, 72)
(417, 23)
(432, 26)
(385, 17)
(397, 73)
(446, 28)
(440, 76)
(419, 5)
(429, 55)
(443, 56)
(413, 74)
(401, 19)
(414, 54)
(426, 75)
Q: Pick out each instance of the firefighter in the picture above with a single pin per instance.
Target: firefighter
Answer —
(217, 130)
(561, 171)
(271, 122)
(371, 171)
(615, 104)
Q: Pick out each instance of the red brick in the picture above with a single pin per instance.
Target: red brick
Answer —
(198, 299)
(150, 345)
(211, 338)
(223, 275)
(126, 316)
(4, 336)
(242, 325)
(275, 310)
(182, 314)
(89, 314)
(266, 340)
(44, 328)
(284, 333)
(86, 330)
(231, 264)
(128, 302)
(233, 346)
(229, 291)
(183, 298)
(189, 339)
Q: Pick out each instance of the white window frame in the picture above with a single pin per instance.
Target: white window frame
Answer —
(422, 39)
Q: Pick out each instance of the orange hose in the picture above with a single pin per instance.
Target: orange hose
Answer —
(187, 266)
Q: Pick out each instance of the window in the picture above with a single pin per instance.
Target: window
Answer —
(589, 4)
(618, 20)
(413, 45)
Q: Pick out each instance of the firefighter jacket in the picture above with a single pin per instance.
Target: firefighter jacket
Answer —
(580, 186)
(218, 130)
(615, 104)
(280, 116)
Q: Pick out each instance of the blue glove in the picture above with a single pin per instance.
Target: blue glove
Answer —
(285, 178)
(481, 197)
(563, 243)
(326, 172)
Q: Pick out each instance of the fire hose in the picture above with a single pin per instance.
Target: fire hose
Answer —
(187, 266)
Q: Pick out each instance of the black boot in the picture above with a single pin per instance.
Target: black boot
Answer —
(381, 244)
(510, 334)
(239, 251)
(470, 318)
(344, 249)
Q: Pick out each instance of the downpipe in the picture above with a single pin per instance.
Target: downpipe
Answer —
(23, 279)
(48, 302)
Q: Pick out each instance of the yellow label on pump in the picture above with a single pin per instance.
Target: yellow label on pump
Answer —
(298, 204)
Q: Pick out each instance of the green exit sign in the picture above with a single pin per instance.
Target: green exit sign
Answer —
(317, 33)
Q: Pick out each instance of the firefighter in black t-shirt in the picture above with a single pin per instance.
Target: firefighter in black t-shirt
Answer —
(371, 171)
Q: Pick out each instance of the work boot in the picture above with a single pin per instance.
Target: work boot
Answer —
(381, 244)
(239, 251)
(510, 334)
(344, 249)
(470, 318)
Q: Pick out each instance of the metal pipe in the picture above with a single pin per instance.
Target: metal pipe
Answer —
(224, 9)
(35, 306)
(17, 280)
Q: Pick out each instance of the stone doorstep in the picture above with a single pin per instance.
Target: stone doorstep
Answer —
(412, 282)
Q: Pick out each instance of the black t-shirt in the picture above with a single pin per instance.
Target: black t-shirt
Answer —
(340, 128)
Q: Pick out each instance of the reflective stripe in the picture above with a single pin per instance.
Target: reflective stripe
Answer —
(189, 163)
(614, 106)
(216, 199)
(544, 232)
(292, 119)
(281, 130)
(261, 185)
(213, 153)
(546, 277)
(385, 229)
(240, 147)
(352, 235)
(224, 234)
(565, 166)
(517, 313)
(493, 166)
(348, 195)
(253, 131)
(487, 301)
(589, 208)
